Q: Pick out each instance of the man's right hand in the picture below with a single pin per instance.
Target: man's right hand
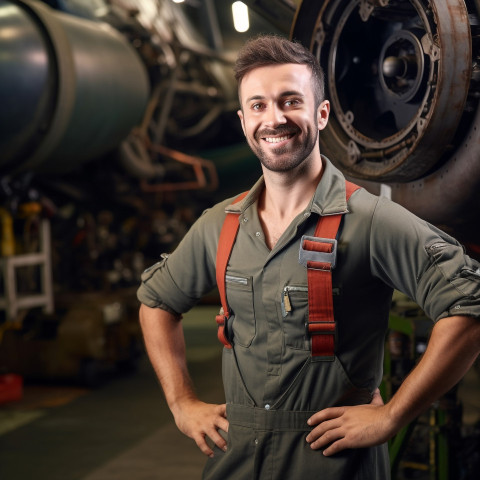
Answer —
(199, 420)
(165, 343)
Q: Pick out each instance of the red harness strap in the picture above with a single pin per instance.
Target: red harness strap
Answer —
(318, 254)
(225, 246)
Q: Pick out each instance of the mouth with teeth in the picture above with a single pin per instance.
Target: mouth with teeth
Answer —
(274, 137)
(277, 139)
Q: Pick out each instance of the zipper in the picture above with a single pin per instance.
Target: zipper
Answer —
(236, 280)
(286, 304)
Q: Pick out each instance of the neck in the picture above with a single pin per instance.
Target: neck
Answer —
(286, 194)
(283, 198)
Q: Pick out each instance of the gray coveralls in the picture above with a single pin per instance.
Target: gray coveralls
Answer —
(272, 383)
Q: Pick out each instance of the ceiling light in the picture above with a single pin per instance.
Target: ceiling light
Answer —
(240, 17)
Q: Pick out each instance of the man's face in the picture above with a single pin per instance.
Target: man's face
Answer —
(279, 117)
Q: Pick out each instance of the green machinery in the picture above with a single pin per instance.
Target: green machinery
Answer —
(426, 448)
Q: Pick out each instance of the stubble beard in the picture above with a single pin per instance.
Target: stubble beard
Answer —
(281, 159)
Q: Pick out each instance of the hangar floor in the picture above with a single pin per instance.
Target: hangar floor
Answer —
(123, 429)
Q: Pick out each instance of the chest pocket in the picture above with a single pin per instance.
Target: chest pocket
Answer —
(240, 299)
(295, 316)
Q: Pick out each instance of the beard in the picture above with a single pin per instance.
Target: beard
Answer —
(284, 158)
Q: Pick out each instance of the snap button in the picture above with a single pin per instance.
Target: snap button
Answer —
(257, 234)
(267, 407)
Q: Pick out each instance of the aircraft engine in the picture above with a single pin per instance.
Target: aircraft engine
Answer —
(71, 89)
(403, 79)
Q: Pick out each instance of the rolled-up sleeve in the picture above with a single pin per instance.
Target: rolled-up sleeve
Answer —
(423, 262)
(180, 279)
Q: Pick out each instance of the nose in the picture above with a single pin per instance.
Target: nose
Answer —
(274, 116)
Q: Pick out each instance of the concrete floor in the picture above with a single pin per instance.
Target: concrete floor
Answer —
(123, 430)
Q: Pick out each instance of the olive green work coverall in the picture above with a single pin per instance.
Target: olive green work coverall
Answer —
(272, 383)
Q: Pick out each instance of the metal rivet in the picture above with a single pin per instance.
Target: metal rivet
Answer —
(257, 234)
(267, 407)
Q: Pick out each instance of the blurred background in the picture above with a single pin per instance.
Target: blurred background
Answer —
(118, 127)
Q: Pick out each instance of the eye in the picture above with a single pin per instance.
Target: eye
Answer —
(291, 103)
(257, 106)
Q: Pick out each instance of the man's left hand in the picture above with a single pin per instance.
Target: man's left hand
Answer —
(359, 426)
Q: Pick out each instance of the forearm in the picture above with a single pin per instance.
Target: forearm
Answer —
(165, 344)
(453, 346)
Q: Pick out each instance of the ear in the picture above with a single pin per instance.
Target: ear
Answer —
(240, 115)
(323, 112)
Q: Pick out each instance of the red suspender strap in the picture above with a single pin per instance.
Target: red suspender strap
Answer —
(226, 240)
(318, 254)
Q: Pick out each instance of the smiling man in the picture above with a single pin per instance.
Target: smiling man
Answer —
(309, 271)
(282, 124)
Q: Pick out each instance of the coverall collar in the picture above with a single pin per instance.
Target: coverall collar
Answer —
(329, 198)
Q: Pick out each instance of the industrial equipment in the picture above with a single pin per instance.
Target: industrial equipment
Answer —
(403, 81)
(71, 89)
(89, 96)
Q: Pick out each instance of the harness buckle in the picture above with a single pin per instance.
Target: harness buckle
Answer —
(308, 252)
(222, 330)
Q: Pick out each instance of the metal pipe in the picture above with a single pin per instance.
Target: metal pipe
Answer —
(71, 88)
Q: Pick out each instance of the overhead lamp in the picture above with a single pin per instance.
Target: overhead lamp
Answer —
(240, 17)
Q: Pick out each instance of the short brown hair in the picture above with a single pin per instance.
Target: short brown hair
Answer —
(265, 50)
